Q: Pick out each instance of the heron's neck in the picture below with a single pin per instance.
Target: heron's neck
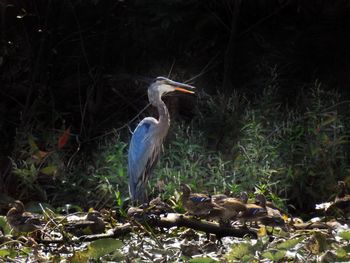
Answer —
(164, 117)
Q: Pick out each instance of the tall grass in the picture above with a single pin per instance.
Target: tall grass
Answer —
(243, 144)
(293, 155)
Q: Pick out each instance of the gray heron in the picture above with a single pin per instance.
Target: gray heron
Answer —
(148, 137)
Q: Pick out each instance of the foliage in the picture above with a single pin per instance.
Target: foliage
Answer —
(97, 249)
(317, 246)
(265, 147)
(297, 154)
(186, 159)
(90, 181)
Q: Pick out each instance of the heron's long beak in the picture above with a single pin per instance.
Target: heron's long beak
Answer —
(181, 86)
(184, 90)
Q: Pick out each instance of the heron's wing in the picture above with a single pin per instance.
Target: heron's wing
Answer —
(143, 154)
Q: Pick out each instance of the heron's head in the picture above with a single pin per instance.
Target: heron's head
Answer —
(162, 86)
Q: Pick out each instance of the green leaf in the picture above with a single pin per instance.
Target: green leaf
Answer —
(4, 252)
(289, 244)
(97, 249)
(202, 260)
(4, 225)
(345, 235)
(102, 247)
(274, 255)
(78, 257)
(343, 252)
(49, 170)
(117, 256)
(242, 251)
(9, 253)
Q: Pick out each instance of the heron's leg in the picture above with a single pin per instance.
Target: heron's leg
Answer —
(145, 196)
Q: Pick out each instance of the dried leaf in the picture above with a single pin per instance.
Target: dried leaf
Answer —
(62, 141)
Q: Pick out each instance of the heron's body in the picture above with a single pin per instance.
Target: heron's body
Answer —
(142, 143)
(148, 137)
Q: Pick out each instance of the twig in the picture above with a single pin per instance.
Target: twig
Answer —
(206, 68)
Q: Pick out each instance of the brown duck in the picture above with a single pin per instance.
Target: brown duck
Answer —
(20, 220)
(274, 216)
(230, 209)
(253, 212)
(98, 225)
(195, 203)
(341, 204)
(158, 207)
(218, 197)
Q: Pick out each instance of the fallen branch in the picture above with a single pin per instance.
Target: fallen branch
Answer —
(115, 232)
(171, 220)
(178, 220)
(112, 233)
(316, 225)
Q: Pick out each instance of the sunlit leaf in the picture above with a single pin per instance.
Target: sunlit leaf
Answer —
(318, 243)
(4, 225)
(116, 256)
(78, 257)
(343, 252)
(25, 251)
(49, 170)
(345, 235)
(4, 252)
(10, 252)
(242, 251)
(102, 247)
(289, 244)
(274, 255)
(262, 231)
(202, 260)
(62, 141)
(97, 249)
